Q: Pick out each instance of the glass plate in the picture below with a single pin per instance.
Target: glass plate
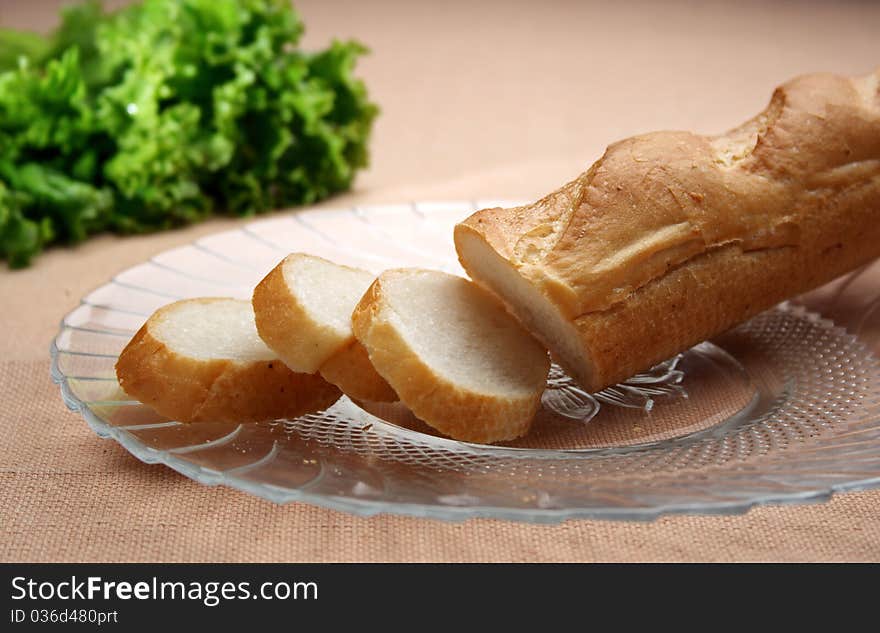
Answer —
(782, 409)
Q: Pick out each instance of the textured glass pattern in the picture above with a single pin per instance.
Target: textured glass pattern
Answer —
(783, 408)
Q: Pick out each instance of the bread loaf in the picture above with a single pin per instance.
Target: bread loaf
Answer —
(673, 237)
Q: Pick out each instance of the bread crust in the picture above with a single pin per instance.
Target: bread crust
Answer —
(286, 327)
(672, 237)
(451, 409)
(307, 345)
(351, 370)
(217, 390)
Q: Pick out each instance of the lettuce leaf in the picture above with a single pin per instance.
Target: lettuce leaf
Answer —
(166, 111)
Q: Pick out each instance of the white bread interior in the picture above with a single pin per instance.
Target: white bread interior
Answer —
(208, 330)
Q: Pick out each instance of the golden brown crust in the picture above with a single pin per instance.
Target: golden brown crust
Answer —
(351, 370)
(673, 237)
(222, 390)
(284, 325)
(454, 411)
(309, 346)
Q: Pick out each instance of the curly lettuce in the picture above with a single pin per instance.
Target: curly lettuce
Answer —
(167, 111)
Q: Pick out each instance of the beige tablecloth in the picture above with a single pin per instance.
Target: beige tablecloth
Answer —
(480, 99)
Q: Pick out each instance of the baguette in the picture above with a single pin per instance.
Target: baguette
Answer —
(201, 360)
(452, 354)
(673, 237)
(303, 312)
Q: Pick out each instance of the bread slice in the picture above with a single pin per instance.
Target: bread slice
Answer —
(673, 237)
(351, 370)
(201, 360)
(303, 312)
(452, 354)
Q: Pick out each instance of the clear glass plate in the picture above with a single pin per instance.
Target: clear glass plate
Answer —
(784, 408)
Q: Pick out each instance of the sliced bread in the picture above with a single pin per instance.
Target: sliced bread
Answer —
(202, 360)
(452, 354)
(352, 371)
(303, 313)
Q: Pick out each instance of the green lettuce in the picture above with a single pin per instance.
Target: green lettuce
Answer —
(166, 111)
